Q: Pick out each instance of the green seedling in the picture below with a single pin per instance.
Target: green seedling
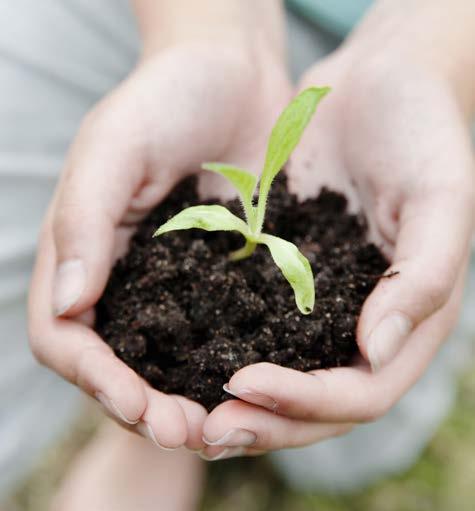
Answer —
(284, 138)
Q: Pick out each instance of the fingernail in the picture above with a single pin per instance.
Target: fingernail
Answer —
(215, 454)
(387, 338)
(113, 409)
(236, 437)
(69, 284)
(255, 398)
(144, 429)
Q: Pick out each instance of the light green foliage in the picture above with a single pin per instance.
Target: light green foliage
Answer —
(284, 138)
(244, 182)
(296, 270)
(208, 218)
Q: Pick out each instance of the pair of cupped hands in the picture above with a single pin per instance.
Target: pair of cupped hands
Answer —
(390, 135)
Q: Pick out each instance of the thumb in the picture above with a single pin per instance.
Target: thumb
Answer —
(432, 244)
(102, 188)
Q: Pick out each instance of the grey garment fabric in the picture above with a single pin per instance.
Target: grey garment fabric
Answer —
(57, 59)
(306, 44)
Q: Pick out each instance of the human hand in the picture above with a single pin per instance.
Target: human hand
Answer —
(185, 105)
(393, 138)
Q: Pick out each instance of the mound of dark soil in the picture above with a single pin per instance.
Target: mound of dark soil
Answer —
(185, 318)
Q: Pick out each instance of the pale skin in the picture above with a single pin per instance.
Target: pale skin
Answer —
(393, 135)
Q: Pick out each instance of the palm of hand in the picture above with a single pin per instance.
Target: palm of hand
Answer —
(397, 146)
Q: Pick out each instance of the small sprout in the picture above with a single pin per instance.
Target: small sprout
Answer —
(284, 138)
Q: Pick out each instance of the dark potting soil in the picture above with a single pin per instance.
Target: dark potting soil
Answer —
(186, 319)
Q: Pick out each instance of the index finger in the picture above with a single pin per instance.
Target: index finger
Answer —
(345, 394)
(432, 245)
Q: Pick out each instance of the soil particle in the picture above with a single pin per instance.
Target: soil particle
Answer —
(186, 319)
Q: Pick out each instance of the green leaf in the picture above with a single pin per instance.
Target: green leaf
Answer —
(284, 138)
(209, 218)
(295, 268)
(244, 182)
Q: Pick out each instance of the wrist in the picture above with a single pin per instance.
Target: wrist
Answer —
(239, 24)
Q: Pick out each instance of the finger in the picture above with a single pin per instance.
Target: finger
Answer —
(346, 394)
(163, 422)
(195, 416)
(103, 186)
(432, 242)
(235, 427)
(322, 396)
(94, 193)
(75, 352)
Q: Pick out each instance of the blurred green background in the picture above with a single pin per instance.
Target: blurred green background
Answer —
(442, 480)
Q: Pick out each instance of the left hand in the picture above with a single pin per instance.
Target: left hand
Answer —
(124, 160)
(392, 137)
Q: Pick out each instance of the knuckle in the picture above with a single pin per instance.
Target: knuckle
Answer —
(73, 220)
(438, 289)
(111, 117)
(267, 439)
(67, 214)
(97, 120)
(36, 341)
(87, 362)
(375, 410)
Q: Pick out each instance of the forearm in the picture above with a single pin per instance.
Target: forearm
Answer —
(437, 34)
(164, 23)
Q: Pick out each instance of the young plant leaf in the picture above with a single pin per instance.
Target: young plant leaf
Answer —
(244, 182)
(283, 139)
(295, 268)
(208, 218)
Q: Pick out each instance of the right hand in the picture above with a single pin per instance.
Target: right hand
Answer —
(392, 137)
(186, 105)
